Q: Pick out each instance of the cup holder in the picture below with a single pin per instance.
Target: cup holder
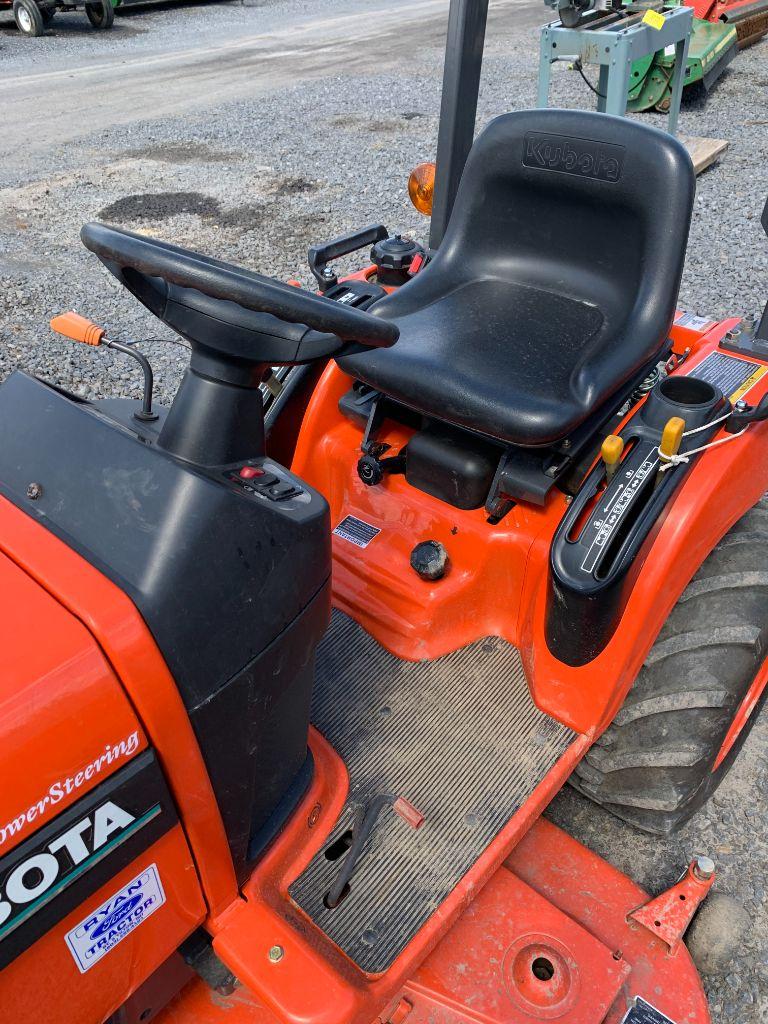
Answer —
(693, 400)
(688, 391)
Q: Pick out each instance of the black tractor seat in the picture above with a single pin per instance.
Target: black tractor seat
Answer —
(555, 285)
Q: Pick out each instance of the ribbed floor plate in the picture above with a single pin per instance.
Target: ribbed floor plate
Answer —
(460, 738)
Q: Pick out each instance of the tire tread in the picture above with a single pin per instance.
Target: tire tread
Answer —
(653, 765)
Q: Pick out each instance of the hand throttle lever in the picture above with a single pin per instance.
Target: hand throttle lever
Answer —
(78, 328)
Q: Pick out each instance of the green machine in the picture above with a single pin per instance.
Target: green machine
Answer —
(712, 47)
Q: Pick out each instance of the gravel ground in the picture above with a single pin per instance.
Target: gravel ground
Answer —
(255, 180)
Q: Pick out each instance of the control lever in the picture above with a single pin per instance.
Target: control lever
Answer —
(78, 328)
(365, 819)
(611, 451)
(744, 414)
(371, 467)
(319, 256)
(669, 446)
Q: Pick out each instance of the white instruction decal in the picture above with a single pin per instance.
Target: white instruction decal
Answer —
(109, 924)
(694, 323)
(356, 531)
(644, 1013)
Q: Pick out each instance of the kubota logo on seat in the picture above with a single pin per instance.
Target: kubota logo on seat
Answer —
(584, 157)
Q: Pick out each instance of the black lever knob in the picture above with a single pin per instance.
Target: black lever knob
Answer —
(372, 468)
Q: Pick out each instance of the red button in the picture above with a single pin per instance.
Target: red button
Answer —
(249, 472)
(416, 263)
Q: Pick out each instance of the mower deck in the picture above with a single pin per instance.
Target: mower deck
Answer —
(553, 905)
(459, 738)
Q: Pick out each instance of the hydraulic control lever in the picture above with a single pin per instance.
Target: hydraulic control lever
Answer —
(366, 816)
(743, 414)
(371, 467)
(78, 328)
(319, 256)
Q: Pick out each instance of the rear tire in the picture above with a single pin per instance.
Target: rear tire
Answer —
(29, 18)
(101, 15)
(654, 766)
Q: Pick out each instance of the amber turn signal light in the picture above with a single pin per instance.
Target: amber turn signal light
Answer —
(421, 187)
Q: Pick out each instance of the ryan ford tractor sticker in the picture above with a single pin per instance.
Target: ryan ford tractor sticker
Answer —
(32, 816)
(110, 923)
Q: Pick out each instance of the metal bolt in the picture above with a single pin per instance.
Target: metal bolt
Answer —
(314, 815)
(704, 868)
(34, 491)
(276, 954)
(567, 443)
(741, 405)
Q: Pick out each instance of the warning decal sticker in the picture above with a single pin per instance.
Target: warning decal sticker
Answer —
(356, 531)
(644, 1013)
(734, 376)
(694, 323)
(110, 923)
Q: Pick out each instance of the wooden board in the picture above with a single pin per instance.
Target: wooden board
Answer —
(703, 151)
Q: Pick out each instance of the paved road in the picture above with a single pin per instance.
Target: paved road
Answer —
(84, 89)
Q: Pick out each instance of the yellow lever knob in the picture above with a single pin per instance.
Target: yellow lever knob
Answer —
(611, 451)
(671, 438)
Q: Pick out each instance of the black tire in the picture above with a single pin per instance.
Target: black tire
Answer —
(101, 15)
(653, 767)
(29, 18)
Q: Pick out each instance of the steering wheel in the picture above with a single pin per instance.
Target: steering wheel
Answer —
(236, 321)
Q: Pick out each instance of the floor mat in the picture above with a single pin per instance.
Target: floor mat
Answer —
(459, 738)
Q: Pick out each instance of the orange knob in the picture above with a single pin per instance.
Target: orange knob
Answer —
(77, 328)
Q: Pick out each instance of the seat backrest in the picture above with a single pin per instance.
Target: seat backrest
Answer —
(595, 206)
(554, 288)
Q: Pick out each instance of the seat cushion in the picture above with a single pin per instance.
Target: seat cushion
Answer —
(555, 285)
(448, 346)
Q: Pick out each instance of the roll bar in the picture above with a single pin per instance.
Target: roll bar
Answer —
(458, 108)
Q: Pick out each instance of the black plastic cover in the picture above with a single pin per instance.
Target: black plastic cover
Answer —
(452, 465)
(219, 575)
(605, 535)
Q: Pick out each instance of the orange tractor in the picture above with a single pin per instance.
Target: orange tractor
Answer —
(288, 678)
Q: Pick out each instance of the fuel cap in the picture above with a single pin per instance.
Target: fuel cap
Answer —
(393, 257)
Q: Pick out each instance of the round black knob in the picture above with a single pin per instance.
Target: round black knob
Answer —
(430, 560)
(392, 258)
(369, 470)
